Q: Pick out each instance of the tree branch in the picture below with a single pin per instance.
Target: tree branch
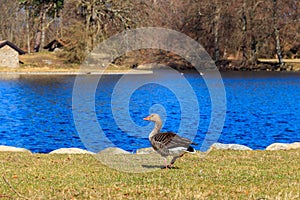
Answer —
(13, 189)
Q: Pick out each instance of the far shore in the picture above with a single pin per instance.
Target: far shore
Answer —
(45, 63)
(72, 72)
(36, 67)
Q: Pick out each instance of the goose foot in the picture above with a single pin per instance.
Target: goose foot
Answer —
(167, 167)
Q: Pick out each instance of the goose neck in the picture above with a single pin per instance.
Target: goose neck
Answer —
(156, 129)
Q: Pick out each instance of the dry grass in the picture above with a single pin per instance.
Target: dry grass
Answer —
(52, 62)
(276, 60)
(296, 66)
(219, 175)
(295, 63)
(44, 62)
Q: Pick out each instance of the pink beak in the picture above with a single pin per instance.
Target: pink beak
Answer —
(147, 118)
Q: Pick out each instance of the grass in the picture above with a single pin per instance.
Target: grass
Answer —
(52, 62)
(295, 63)
(45, 62)
(42, 62)
(276, 60)
(219, 175)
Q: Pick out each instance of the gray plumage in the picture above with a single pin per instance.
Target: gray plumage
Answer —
(168, 143)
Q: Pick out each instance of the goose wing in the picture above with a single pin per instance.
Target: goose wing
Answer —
(163, 142)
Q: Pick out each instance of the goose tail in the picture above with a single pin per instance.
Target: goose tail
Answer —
(190, 150)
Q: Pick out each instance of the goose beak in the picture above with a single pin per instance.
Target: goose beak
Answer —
(147, 118)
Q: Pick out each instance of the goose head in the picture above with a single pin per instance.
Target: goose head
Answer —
(153, 118)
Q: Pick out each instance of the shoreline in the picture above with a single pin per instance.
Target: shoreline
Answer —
(149, 150)
(79, 72)
(115, 72)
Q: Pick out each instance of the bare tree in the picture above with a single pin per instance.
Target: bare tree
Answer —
(277, 34)
(216, 27)
(253, 32)
(244, 32)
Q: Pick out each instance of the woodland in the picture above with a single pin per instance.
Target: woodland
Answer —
(243, 30)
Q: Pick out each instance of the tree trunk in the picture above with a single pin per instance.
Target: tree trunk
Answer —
(216, 34)
(253, 51)
(28, 30)
(253, 54)
(278, 48)
(37, 41)
(40, 32)
(277, 35)
(90, 19)
(42, 26)
(43, 29)
(88, 33)
(61, 32)
(244, 30)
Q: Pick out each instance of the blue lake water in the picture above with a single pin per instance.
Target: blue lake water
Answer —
(36, 111)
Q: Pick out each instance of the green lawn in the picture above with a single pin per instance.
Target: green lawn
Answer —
(219, 175)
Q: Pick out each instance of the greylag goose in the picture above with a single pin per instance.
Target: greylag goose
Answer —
(168, 143)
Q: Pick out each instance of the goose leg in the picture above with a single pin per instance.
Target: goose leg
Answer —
(165, 161)
(173, 160)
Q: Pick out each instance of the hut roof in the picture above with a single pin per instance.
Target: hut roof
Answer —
(6, 42)
(56, 43)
